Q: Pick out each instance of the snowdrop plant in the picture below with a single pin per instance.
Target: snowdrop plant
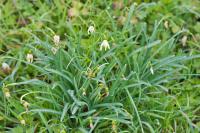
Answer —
(66, 96)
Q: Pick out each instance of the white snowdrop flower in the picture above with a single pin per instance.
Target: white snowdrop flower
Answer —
(151, 70)
(54, 50)
(25, 104)
(29, 58)
(104, 45)
(91, 30)
(184, 40)
(23, 122)
(56, 39)
(84, 93)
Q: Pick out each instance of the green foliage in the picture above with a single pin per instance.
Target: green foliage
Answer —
(148, 81)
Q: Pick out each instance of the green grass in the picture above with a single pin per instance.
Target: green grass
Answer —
(148, 81)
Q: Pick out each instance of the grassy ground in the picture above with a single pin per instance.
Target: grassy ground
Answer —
(148, 81)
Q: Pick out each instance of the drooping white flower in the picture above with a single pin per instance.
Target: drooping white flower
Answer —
(84, 92)
(91, 30)
(104, 45)
(25, 104)
(184, 40)
(56, 39)
(23, 122)
(29, 58)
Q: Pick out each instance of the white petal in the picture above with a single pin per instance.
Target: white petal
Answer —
(108, 46)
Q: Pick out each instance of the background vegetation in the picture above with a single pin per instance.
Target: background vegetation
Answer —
(148, 81)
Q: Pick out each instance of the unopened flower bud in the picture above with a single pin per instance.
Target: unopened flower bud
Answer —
(91, 123)
(184, 40)
(166, 24)
(6, 68)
